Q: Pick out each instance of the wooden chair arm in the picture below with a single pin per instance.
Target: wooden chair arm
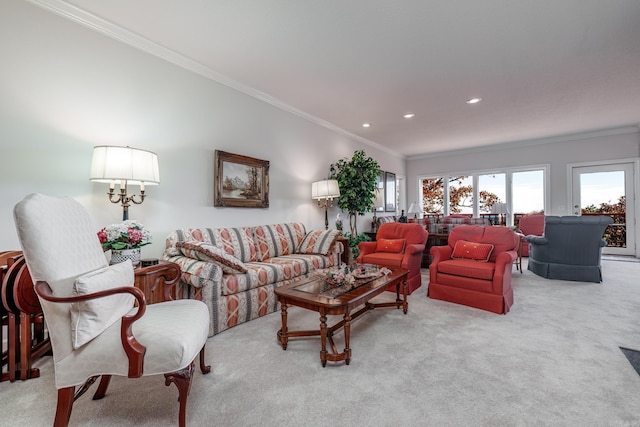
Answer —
(134, 350)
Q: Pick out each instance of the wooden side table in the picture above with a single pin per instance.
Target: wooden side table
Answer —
(158, 281)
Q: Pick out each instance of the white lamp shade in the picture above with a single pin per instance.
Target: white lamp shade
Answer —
(499, 208)
(116, 164)
(327, 189)
(414, 208)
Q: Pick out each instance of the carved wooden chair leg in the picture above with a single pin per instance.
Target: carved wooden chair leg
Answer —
(63, 410)
(182, 380)
(204, 368)
(13, 339)
(102, 387)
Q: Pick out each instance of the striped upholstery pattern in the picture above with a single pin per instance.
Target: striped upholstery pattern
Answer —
(278, 239)
(269, 255)
(238, 242)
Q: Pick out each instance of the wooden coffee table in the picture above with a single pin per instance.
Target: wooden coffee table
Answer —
(314, 294)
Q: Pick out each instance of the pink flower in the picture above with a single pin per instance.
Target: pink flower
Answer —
(135, 236)
(102, 235)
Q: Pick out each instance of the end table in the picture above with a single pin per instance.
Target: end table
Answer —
(158, 281)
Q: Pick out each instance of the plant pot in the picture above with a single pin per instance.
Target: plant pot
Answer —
(121, 255)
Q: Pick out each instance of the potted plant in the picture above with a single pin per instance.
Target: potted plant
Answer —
(124, 240)
(357, 178)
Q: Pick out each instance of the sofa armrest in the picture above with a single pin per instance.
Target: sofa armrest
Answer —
(536, 240)
(200, 272)
(366, 248)
(439, 253)
(502, 274)
(412, 259)
(413, 249)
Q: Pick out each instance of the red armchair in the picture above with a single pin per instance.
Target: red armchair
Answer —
(397, 245)
(474, 268)
(530, 225)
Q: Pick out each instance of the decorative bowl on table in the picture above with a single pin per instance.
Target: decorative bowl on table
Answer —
(354, 275)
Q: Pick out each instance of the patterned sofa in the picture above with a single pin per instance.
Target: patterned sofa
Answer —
(235, 270)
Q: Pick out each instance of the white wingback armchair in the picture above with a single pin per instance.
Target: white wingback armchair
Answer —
(88, 306)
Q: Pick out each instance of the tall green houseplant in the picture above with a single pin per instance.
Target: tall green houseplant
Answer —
(357, 179)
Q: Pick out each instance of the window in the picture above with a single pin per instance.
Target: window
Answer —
(460, 194)
(502, 196)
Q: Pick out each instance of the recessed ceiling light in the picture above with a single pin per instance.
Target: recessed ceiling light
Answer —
(473, 100)
(366, 125)
(409, 115)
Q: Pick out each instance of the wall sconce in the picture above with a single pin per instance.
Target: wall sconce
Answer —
(415, 210)
(324, 192)
(124, 166)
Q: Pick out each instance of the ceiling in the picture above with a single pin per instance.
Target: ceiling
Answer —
(543, 68)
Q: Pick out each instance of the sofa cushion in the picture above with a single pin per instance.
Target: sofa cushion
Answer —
(390, 245)
(472, 250)
(318, 242)
(92, 317)
(273, 271)
(468, 268)
(238, 241)
(206, 252)
(278, 239)
(384, 258)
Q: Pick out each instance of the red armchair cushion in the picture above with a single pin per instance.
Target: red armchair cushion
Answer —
(390, 245)
(472, 250)
(468, 268)
(384, 258)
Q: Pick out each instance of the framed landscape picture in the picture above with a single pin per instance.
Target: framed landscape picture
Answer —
(240, 181)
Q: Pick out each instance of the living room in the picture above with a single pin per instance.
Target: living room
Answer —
(67, 88)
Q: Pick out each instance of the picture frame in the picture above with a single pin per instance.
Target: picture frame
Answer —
(389, 192)
(379, 204)
(240, 181)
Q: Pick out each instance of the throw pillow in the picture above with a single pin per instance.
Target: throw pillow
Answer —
(209, 253)
(390, 245)
(472, 250)
(318, 242)
(92, 317)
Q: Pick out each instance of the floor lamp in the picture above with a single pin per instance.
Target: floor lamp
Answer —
(323, 192)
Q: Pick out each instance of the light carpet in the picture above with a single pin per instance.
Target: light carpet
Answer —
(553, 360)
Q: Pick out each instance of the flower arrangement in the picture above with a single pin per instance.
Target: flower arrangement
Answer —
(340, 277)
(354, 275)
(128, 234)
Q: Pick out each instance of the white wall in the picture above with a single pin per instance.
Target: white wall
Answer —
(65, 88)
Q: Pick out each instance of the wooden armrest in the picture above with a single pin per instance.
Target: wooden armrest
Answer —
(134, 350)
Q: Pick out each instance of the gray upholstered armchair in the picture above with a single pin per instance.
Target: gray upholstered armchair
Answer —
(570, 248)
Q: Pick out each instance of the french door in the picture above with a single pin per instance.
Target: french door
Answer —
(607, 189)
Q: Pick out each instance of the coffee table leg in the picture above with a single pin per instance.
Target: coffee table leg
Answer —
(347, 334)
(283, 336)
(323, 339)
(405, 304)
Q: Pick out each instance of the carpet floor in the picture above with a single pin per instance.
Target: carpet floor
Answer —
(553, 360)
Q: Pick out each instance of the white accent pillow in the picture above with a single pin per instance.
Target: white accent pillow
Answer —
(90, 318)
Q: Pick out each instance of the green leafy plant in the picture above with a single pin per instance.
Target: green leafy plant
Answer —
(357, 179)
(354, 239)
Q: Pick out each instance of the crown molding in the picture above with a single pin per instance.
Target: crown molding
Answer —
(111, 30)
(530, 142)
